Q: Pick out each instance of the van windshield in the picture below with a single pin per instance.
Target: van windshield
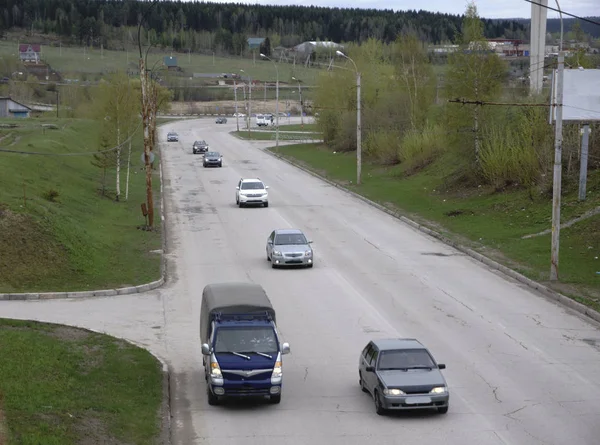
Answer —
(246, 339)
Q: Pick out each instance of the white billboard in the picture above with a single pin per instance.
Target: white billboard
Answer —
(581, 95)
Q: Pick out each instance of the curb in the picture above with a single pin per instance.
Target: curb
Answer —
(108, 292)
(542, 289)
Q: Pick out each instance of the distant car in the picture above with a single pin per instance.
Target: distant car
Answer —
(213, 158)
(221, 120)
(251, 191)
(289, 247)
(172, 136)
(401, 374)
(199, 147)
(239, 115)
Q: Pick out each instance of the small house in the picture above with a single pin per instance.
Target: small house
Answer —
(30, 53)
(12, 108)
(255, 42)
(171, 63)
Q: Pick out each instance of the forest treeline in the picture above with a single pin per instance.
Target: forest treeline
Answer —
(221, 26)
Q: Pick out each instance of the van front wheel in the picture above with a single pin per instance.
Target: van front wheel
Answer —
(275, 399)
(212, 399)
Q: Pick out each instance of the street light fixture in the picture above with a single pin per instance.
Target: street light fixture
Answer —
(358, 127)
(276, 100)
(301, 103)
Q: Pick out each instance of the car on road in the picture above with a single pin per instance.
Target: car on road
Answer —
(213, 158)
(239, 115)
(251, 191)
(221, 120)
(401, 374)
(172, 136)
(199, 147)
(289, 247)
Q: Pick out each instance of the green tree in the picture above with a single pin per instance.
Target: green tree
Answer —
(475, 73)
(415, 75)
(119, 107)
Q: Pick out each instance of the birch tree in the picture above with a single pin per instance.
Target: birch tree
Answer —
(475, 73)
(120, 109)
(415, 76)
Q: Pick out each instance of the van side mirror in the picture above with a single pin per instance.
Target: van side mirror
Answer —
(205, 349)
(285, 348)
(370, 369)
(237, 188)
(266, 187)
(441, 366)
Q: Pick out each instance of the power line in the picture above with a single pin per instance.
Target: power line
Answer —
(4, 150)
(565, 13)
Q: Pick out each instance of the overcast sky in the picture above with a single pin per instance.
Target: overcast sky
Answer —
(486, 8)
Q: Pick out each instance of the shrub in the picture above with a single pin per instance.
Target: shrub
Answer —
(419, 148)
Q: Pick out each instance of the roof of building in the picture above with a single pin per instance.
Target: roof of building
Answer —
(398, 343)
(170, 61)
(23, 47)
(255, 40)
(14, 101)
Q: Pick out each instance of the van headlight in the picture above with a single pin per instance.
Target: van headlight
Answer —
(439, 390)
(215, 371)
(277, 374)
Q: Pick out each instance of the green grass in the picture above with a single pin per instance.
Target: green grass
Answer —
(272, 135)
(80, 240)
(63, 386)
(298, 127)
(71, 61)
(492, 223)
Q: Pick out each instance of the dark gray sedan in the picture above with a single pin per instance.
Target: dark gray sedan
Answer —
(289, 247)
(401, 374)
(213, 159)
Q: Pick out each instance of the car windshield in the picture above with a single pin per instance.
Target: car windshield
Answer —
(246, 340)
(212, 154)
(404, 359)
(290, 238)
(252, 186)
(259, 116)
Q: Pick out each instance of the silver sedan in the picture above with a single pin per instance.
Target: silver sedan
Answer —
(289, 247)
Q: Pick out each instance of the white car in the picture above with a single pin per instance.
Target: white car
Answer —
(251, 191)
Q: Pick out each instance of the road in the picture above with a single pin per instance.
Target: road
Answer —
(521, 369)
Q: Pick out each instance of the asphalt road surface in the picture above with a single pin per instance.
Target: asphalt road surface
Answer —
(521, 369)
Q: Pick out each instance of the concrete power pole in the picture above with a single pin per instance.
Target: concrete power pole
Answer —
(539, 16)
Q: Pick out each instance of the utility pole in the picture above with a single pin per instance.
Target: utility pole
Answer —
(276, 100)
(358, 132)
(249, 105)
(556, 190)
(237, 116)
(585, 139)
(57, 101)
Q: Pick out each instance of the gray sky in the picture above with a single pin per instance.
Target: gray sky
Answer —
(486, 8)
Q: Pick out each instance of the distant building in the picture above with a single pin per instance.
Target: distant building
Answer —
(12, 108)
(306, 48)
(170, 62)
(255, 42)
(30, 53)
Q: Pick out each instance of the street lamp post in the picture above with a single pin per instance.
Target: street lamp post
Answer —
(358, 127)
(276, 100)
(301, 103)
(249, 117)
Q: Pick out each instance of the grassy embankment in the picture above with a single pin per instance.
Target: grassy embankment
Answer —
(66, 386)
(491, 222)
(58, 232)
(260, 135)
(73, 62)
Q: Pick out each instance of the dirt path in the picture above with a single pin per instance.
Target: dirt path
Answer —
(586, 215)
